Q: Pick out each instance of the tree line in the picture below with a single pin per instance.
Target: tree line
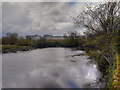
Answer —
(72, 39)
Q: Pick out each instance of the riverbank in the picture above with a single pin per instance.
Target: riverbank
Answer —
(114, 73)
(14, 49)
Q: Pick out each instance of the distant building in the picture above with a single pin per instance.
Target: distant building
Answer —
(58, 37)
(34, 37)
(50, 37)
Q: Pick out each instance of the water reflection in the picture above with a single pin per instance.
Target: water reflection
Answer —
(45, 68)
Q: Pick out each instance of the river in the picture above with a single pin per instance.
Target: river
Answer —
(49, 68)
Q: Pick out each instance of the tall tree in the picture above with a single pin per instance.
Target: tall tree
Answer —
(102, 23)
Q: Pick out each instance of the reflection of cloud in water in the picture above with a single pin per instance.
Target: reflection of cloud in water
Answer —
(59, 73)
(92, 74)
(55, 77)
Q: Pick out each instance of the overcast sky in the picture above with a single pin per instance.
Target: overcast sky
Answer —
(30, 18)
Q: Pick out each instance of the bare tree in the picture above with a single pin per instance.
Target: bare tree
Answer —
(103, 21)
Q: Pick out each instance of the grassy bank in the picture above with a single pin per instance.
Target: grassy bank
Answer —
(14, 49)
(114, 73)
(110, 74)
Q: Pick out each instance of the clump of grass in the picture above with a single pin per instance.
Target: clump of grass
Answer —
(116, 75)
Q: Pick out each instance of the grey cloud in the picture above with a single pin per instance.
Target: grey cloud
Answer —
(50, 18)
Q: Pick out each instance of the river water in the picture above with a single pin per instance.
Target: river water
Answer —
(49, 68)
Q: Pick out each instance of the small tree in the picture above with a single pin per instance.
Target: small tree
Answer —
(13, 37)
(72, 39)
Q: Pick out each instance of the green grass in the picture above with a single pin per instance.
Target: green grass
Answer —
(109, 75)
(116, 77)
(114, 73)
